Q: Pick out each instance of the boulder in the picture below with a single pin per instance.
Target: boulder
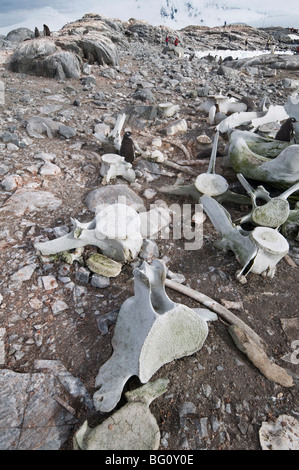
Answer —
(97, 48)
(174, 51)
(62, 57)
(19, 35)
(39, 125)
(111, 195)
(42, 57)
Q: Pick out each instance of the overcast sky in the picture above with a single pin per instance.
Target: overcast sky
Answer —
(12, 11)
(63, 5)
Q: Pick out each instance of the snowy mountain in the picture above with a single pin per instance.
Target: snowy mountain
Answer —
(173, 13)
(180, 13)
(38, 17)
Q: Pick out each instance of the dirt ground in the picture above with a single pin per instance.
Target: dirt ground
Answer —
(225, 397)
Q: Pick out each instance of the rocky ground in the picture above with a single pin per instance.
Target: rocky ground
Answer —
(57, 320)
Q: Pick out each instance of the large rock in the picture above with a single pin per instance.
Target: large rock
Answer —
(118, 193)
(43, 58)
(31, 415)
(19, 35)
(96, 47)
(62, 57)
(174, 51)
(273, 61)
(30, 200)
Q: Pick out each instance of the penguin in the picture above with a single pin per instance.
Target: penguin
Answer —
(36, 32)
(249, 103)
(286, 131)
(127, 148)
(46, 30)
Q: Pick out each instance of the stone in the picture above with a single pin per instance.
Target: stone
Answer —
(39, 125)
(168, 109)
(31, 418)
(149, 193)
(144, 95)
(24, 274)
(100, 281)
(103, 266)
(11, 182)
(67, 132)
(157, 156)
(72, 384)
(149, 113)
(147, 335)
(49, 169)
(176, 127)
(149, 250)
(97, 47)
(281, 433)
(176, 277)
(12, 147)
(104, 322)
(90, 80)
(206, 314)
(19, 35)
(120, 193)
(82, 275)
(2, 346)
(59, 306)
(4, 169)
(204, 139)
(49, 282)
(43, 58)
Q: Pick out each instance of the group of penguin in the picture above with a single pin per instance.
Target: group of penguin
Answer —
(127, 148)
(46, 31)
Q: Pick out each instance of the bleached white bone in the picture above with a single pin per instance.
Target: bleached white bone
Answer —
(258, 251)
(151, 330)
(114, 165)
(115, 230)
(274, 212)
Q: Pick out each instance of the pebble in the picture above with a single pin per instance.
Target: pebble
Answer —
(82, 275)
(35, 303)
(67, 132)
(176, 277)
(24, 274)
(2, 346)
(149, 250)
(203, 428)
(104, 322)
(149, 193)
(207, 390)
(59, 306)
(49, 282)
(100, 281)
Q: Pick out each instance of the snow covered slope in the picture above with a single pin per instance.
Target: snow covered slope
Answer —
(173, 13)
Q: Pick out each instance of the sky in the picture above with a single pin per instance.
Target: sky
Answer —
(14, 12)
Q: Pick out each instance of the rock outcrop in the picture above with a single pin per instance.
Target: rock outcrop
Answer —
(62, 56)
(42, 57)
